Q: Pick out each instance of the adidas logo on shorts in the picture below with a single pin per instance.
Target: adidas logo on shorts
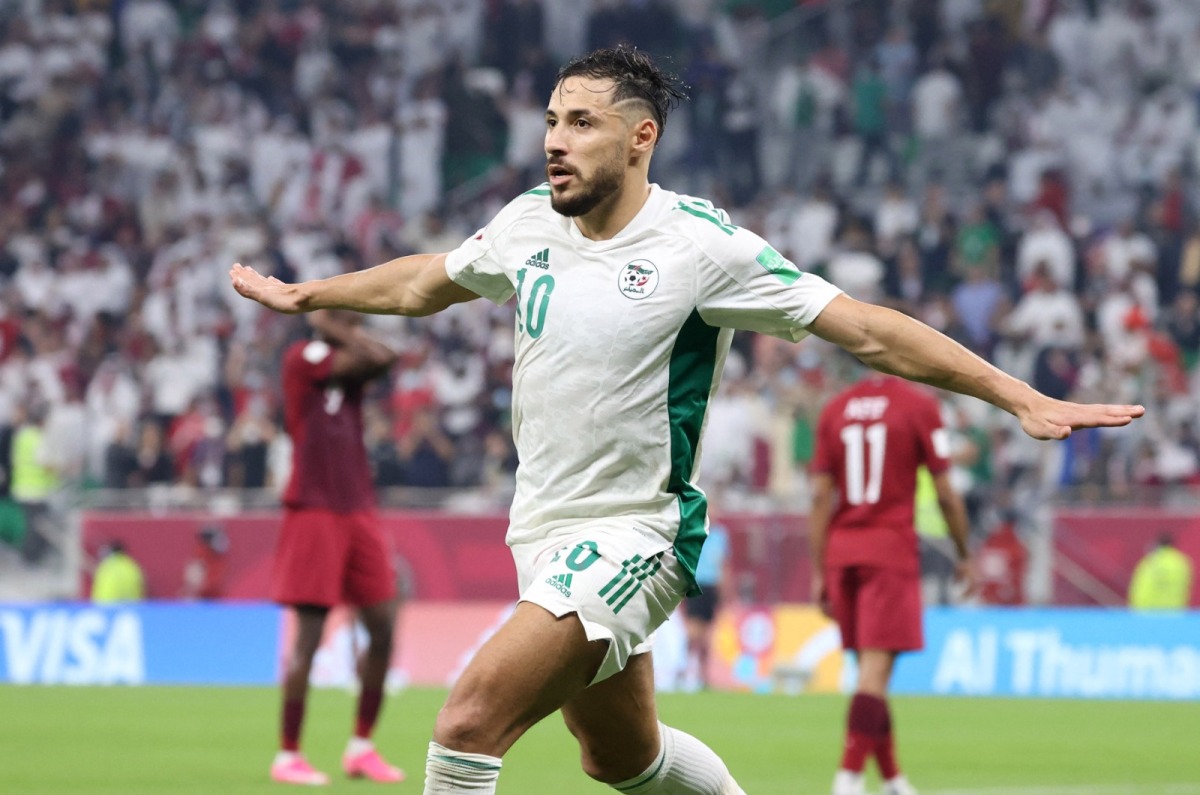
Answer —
(562, 582)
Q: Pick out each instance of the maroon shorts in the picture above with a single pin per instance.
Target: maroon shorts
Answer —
(326, 558)
(876, 608)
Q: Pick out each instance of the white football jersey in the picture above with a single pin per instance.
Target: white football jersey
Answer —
(619, 348)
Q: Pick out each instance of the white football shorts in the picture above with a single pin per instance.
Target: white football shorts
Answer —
(621, 583)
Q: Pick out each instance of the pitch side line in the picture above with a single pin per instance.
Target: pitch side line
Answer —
(1082, 789)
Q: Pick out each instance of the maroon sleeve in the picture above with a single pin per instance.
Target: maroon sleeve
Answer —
(310, 362)
(305, 366)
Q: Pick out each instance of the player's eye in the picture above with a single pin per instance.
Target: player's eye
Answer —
(582, 123)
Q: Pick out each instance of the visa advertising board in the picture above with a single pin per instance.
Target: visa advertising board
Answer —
(83, 644)
(793, 649)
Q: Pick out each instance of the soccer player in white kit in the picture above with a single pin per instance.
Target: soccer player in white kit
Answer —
(626, 299)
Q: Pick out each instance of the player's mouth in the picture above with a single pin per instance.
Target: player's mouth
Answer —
(559, 175)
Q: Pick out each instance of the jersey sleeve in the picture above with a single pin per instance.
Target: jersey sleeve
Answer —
(478, 263)
(309, 362)
(751, 286)
(934, 437)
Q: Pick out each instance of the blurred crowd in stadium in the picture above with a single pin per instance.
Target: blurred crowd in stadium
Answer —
(1020, 175)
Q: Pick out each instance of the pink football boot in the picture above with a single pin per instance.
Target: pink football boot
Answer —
(369, 764)
(292, 768)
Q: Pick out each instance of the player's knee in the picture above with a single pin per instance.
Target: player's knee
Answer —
(461, 727)
(468, 725)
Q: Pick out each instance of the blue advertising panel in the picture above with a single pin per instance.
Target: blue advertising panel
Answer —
(84, 644)
(1074, 653)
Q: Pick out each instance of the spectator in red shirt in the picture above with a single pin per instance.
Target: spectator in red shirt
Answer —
(871, 439)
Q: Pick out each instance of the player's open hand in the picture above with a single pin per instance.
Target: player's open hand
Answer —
(1047, 418)
(965, 579)
(267, 290)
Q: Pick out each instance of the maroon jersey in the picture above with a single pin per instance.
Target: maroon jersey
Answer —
(871, 439)
(324, 419)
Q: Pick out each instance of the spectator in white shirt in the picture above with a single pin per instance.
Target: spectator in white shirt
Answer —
(937, 98)
(36, 285)
(1046, 244)
(1126, 248)
(897, 216)
(423, 137)
(113, 400)
(937, 107)
(854, 266)
(1046, 314)
(810, 233)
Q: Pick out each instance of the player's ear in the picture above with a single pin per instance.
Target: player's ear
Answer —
(645, 135)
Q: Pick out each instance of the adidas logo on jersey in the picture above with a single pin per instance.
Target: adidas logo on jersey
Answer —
(562, 582)
(539, 260)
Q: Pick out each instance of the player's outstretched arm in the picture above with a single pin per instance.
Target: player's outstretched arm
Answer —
(416, 285)
(894, 343)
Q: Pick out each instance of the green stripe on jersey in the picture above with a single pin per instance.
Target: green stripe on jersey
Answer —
(728, 229)
(693, 361)
(540, 190)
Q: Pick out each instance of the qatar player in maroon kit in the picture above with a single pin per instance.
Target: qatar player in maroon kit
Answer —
(331, 550)
(871, 440)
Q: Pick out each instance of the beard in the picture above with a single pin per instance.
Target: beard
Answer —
(604, 183)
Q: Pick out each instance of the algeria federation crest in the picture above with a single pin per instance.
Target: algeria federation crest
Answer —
(638, 279)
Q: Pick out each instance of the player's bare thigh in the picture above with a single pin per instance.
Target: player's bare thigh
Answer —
(875, 671)
(532, 666)
(616, 723)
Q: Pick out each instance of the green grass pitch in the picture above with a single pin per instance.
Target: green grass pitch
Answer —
(210, 741)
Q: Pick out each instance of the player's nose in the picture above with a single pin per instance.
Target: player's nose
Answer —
(555, 142)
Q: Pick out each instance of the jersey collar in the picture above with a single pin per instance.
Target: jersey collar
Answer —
(645, 220)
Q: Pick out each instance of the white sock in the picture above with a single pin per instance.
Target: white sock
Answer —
(847, 782)
(450, 772)
(358, 745)
(899, 784)
(685, 766)
(648, 780)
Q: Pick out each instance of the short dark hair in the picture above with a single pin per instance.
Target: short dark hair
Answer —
(634, 75)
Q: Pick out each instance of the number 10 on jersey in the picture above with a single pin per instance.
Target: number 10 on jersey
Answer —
(531, 311)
